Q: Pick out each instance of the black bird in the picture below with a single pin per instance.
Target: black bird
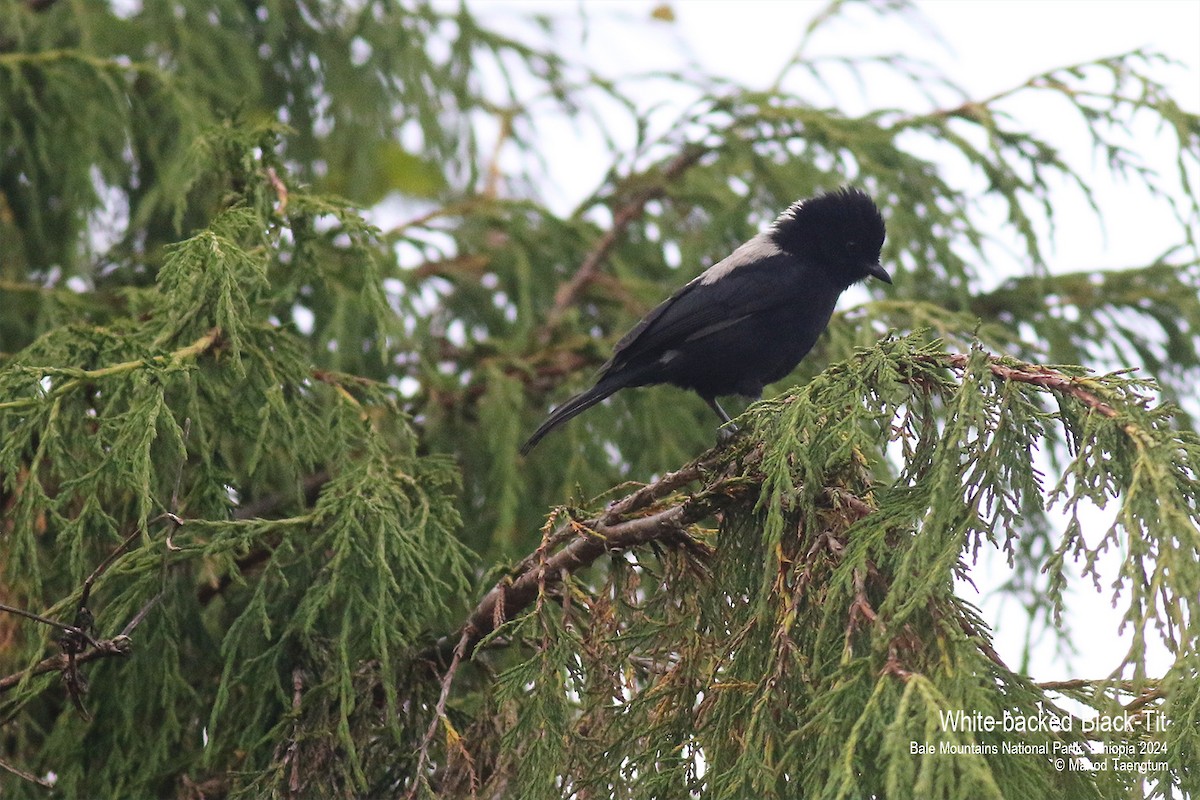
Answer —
(747, 320)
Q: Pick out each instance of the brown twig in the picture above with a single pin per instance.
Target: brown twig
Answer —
(141, 614)
(656, 490)
(439, 713)
(103, 648)
(569, 292)
(511, 596)
(85, 594)
(491, 183)
(1078, 684)
(1041, 376)
(470, 264)
(292, 756)
(618, 510)
(582, 542)
(20, 773)
(64, 627)
(450, 210)
(281, 191)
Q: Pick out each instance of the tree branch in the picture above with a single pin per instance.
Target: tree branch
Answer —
(311, 486)
(104, 648)
(1041, 376)
(575, 544)
(569, 292)
(78, 377)
(20, 773)
(580, 543)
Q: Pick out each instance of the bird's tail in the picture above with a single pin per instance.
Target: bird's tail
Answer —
(576, 405)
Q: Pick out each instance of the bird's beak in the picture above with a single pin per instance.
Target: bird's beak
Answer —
(876, 270)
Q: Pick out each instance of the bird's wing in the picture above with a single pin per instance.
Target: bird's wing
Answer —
(700, 309)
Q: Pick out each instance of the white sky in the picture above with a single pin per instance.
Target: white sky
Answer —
(985, 47)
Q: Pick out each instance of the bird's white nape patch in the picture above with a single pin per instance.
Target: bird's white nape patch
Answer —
(788, 214)
(757, 249)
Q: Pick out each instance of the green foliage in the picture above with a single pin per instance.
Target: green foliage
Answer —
(162, 442)
(825, 636)
(272, 449)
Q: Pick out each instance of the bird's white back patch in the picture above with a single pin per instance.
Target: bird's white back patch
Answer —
(788, 214)
(760, 247)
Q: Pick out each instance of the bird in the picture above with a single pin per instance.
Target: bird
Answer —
(749, 319)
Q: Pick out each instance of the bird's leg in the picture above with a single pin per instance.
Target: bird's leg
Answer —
(728, 429)
(720, 412)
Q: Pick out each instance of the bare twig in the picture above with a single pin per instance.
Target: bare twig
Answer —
(439, 713)
(1041, 376)
(1148, 690)
(292, 757)
(85, 594)
(281, 191)
(569, 292)
(141, 614)
(656, 490)
(451, 210)
(491, 183)
(103, 648)
(20, 773)
(469, 264)
(64, 627)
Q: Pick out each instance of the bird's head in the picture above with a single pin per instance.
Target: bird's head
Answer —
(840, 233)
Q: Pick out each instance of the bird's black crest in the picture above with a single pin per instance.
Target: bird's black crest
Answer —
(840, 229)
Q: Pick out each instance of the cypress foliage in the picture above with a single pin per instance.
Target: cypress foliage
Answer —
(263, 526)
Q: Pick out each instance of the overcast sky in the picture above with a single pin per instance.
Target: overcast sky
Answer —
(985, 47)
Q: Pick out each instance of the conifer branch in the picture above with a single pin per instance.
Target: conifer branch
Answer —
(802, 649)
(1044, 377)
(569, 291)
(588, 541)
(311, 487)
(78, 377)
(291, 756)
(581, 542)
(575, 544)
